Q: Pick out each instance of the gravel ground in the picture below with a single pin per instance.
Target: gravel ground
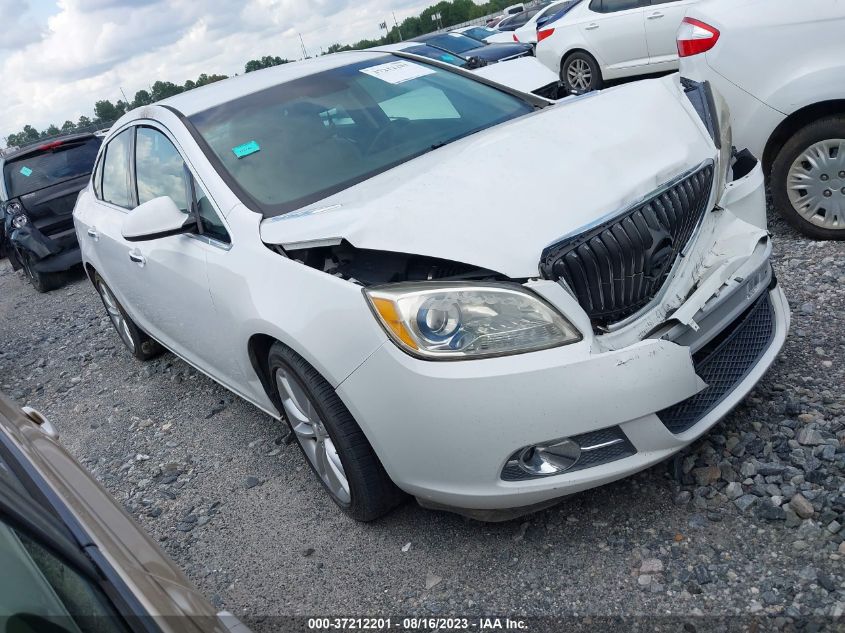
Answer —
(747, 521)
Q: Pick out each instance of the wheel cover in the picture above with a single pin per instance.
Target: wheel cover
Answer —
(579, 75)
(815, 184)
(118, 321)
(312, 436)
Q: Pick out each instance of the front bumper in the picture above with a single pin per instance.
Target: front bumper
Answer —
(445, 432)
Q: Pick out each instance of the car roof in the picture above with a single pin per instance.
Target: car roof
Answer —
(211, 95)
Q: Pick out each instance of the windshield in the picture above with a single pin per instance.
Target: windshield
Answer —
(479, 33)
(53, 166)
(454, 42)
(303, 140)
(436, 53)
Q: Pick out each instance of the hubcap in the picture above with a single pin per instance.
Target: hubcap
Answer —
(116, 316)
(312, 435)
(578, 75)
(816, 184)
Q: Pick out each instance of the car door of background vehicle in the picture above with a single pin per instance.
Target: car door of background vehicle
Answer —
(615, 31)
(662, 19)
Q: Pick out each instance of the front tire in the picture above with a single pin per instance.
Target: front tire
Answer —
(332, 442)
(808, 179)
(580, 73)
(137, 342)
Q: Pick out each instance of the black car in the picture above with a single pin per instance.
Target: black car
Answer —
(39, 186)
(478, 53)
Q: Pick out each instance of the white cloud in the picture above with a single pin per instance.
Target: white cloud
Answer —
(90, 49)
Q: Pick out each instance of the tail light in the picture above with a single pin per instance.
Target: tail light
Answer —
(696, 37)
(541, 35)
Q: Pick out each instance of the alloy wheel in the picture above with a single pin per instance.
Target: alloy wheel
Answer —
(579, 75)
(116, 316)
(310, 432)
(816, 184)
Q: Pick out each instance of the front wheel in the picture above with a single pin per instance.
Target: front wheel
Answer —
(331, 440)
(580, 73)
(808, 179)
(142, 346)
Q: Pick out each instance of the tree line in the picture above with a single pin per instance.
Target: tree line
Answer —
(106, 112)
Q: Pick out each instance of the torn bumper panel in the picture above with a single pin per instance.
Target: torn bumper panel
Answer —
(48, 253)
(450, 433)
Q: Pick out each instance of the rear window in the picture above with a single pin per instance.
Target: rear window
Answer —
(306, 139)
(454, 43)
(50, 167)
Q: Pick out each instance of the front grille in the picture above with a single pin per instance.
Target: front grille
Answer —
(597, 448)
(723, 364)
(618, 267)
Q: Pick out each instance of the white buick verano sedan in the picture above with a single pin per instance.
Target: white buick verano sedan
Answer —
(447, 288)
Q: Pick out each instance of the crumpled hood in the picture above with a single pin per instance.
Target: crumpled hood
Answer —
(497, 198)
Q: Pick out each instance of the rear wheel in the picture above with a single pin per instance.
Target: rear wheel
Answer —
(331, 440)
(42, 282)
(580, 73)
(808, 179)
(141, 345)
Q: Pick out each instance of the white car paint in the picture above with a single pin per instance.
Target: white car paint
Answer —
(774, 58)
(625, 43)
(525, 74)
(443, 430)
(527, 33)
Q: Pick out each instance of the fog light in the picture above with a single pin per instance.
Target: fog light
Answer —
(549, 459)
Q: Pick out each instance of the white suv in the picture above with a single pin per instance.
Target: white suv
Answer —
(337, 241)
(780, 65)
(600, 40)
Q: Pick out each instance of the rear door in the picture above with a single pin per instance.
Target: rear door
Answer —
(615, 31)
(662, 19)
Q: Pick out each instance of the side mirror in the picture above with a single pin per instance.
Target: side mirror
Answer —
(476, 62)
(157, 218)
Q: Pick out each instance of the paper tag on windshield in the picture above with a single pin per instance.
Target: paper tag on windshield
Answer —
(26, 171)
(397, 72)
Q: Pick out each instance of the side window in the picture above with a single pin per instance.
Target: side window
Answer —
(116, 187)
(159, 168)
(212, 225)
(612, 6)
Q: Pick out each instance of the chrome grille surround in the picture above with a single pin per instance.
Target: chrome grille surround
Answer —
(618, 266)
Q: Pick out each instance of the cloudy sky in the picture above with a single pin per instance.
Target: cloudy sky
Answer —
(58, 57)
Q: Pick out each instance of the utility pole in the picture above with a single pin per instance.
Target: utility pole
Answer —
(302, 43)
(395, 21)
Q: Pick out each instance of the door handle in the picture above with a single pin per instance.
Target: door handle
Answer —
(93, 233)
(138, 258)
(591, 27)
(656, 16)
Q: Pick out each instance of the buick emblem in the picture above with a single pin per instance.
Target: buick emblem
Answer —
(658, 258)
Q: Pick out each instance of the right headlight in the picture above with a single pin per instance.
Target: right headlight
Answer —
(454, 321)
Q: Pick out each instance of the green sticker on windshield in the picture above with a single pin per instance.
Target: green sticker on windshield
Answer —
(26, 171)
(246, 149)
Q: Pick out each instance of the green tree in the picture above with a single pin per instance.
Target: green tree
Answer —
(204, 80)
(83, 122)
(268, 61)
(142, 98)
(164, 89)
(107, 112)
(68, 126)
(52, 130)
